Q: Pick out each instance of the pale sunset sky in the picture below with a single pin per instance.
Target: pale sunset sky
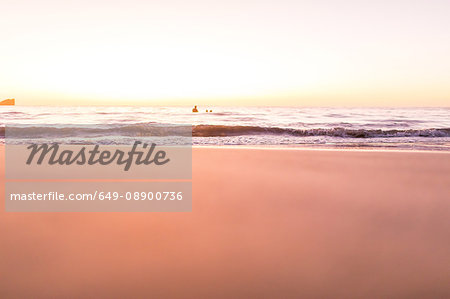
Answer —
(277, 52)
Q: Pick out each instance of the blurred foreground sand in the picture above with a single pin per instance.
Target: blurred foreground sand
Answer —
(265, 223)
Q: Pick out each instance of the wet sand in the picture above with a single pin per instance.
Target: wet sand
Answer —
(265, 223)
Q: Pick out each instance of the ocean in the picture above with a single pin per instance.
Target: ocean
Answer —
(397, 128)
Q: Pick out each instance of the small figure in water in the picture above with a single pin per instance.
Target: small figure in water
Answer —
(195, 109)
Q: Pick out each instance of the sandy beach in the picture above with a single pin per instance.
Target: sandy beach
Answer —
(265, 223)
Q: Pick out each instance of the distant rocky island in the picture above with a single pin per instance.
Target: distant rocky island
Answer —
(8, 102)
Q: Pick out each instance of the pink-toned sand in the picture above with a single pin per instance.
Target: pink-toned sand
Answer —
(265, 223)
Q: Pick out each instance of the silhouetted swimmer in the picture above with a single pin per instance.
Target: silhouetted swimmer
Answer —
(195, 109)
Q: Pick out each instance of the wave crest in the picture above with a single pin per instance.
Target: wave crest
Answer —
(214, 131)
(222, 131)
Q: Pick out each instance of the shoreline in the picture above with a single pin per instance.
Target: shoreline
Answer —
(319, 148)
(314, 148)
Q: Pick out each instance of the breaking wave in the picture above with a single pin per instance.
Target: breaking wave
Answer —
(211, 131)
(217, 131)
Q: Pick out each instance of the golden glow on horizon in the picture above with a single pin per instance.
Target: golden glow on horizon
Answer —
(240, 52)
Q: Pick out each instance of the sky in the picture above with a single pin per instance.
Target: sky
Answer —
(293, 53)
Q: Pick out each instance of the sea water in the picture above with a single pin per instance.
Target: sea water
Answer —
(399, 128)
